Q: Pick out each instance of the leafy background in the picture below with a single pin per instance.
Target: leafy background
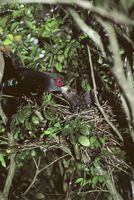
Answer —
(53, 154)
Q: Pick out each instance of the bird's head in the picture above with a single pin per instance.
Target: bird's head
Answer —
(56, 83)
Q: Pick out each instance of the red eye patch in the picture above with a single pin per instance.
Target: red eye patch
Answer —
(59, 82)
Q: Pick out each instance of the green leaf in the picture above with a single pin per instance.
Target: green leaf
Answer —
(16, 134)
(60, 58)
(96, 163)
(95, 180)
(77, 151)
(49, 97)
(84, 141)
(3, 21)
(33, 153)
(86, 85)
(58, 67)
(2, 160)
(14, 26)
(49, 115)
(29, 24)
(92, 140)
(85, 129)
(100, 61)
(2, 130)
(28, 125)
(66, 52)
(102, 140)
(35, 120)
(7, 42)
(21, 117)
(10, 36)
(102, 178)
(79, 180)
(57, 125)
(49, 131)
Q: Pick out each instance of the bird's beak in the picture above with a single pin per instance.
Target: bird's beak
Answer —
(64, 89)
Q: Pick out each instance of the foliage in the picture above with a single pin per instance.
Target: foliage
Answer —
(75, 153)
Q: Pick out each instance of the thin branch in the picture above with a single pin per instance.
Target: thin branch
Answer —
(38, 171)
(97, 100)
(60, 158)
(70, 185)
(35, 176)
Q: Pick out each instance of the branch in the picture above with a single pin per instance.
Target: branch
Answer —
(97, 100)
(110, 185)
(11, 171)
(119, 74)
(93, 35)
(10, 176)
(38, 171)
(113, 15)
(2, 66)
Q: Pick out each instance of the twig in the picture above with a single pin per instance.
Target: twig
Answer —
(69, 185)
(53, 162)
(38, 171)
(97, 100)
(35, 176)
(93, 191)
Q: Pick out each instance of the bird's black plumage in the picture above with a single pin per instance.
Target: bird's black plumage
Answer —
(23, 82)
(28, 82)
(31, 83)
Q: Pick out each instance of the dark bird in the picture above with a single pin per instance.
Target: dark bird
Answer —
(18, 83)
(31, 83)
(23, 82)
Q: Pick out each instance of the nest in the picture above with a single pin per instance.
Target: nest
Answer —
(68, 109)
(75, 109)
(88, 112)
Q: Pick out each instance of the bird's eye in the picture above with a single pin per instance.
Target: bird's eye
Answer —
(12, 82)
(59, 82)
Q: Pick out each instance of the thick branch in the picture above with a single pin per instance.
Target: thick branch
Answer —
(11, 171)
(113, 15)
(10, 176)
(118, 72)
(110, 185)
(2, 65)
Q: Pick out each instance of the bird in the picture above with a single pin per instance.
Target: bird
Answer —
(32, 83)
(19, 82)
